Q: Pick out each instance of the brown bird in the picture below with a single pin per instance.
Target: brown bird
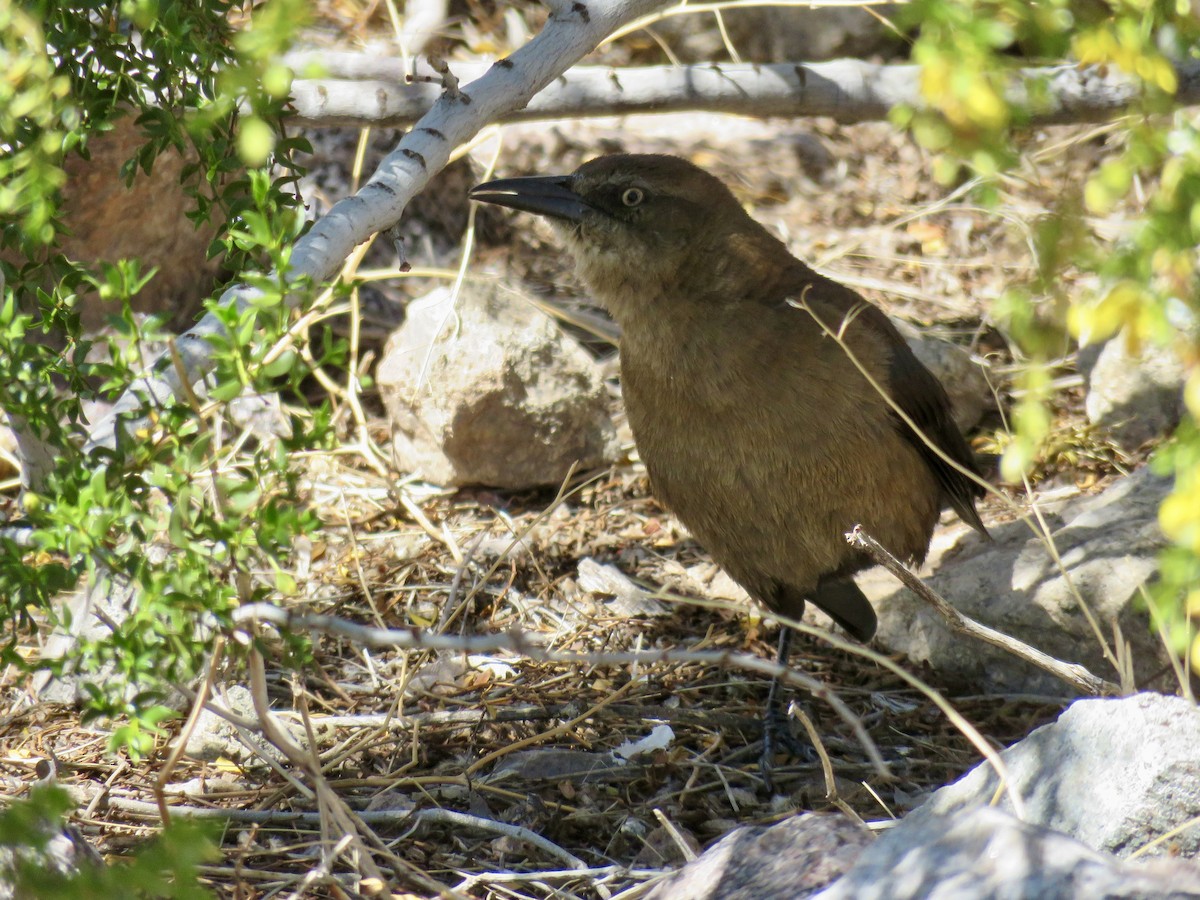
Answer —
(756, 426)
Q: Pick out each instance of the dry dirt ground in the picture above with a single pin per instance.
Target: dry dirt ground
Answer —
(508, 739)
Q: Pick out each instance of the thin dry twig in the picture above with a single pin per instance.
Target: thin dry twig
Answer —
(1073, 674)
(831, 791)
(333, 809)
(400, 816)
(452, 606)
(181, 740)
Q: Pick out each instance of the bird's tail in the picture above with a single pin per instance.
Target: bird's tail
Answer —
(840, 598)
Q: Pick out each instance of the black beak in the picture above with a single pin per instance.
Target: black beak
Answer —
(546, 195)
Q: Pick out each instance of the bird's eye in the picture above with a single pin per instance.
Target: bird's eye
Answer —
(632, 196)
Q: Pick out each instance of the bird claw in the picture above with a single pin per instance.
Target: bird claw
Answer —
(778, 735)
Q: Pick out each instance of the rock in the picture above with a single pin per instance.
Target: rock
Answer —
(89, 613)
(216, 737)
(1113, 774)
(490, 391)
(64, 852)
(260, 414)
(1108, 542)
(793, 859)
(35, 457)
(622, 597)
(962, 377)
(989, 854)
(1135, 397)
(9, 452)
(108, 221)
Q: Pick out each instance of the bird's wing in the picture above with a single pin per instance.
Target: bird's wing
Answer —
(836, 595)
(847, 605)
(924, 401)
(915, 391)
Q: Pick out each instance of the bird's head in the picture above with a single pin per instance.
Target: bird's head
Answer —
(637, 225)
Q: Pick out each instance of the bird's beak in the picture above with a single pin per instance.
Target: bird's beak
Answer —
(546, 195)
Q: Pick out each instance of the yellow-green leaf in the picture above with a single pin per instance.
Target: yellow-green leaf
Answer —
(255, 141)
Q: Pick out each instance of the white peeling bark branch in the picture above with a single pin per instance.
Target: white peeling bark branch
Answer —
(368, 89)
(573, 30)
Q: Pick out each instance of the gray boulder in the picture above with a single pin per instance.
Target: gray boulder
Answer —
(988, 854)
(793, 859)
(1113, 774)
(490, 391)
(1135, 397)
(1109, 545)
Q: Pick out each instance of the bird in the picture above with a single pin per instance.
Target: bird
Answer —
(773, 408)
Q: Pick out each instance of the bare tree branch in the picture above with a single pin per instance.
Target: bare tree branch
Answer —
(370, 89)
(573, 30)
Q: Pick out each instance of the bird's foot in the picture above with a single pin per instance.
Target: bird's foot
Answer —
(779, 735)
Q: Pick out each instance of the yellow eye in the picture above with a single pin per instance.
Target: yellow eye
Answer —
(632, 196)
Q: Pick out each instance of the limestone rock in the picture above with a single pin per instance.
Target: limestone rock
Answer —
(489, 390)
(1135, 396)
(793, 859)
(989, 854)
(1109, 544)
(1115, 774)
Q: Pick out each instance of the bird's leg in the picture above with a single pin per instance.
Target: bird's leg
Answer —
(777, 727)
